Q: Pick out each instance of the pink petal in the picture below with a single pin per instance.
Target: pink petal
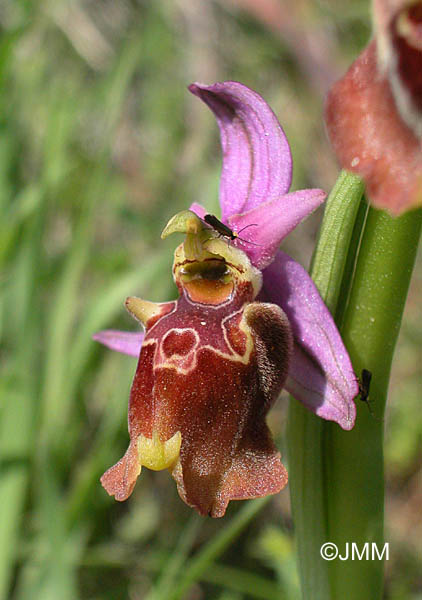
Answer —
(269, 223)
(257, 164)
(198, 209)
(321, 374)
(125, 342)
(371, 139)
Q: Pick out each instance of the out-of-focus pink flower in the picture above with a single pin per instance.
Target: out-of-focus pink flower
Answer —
(213, 362)
(374, 113)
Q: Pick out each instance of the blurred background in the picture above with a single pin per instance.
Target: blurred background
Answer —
(100, 144)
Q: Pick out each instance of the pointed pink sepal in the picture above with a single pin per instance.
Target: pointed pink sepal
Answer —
(257, 164)
(126, 342)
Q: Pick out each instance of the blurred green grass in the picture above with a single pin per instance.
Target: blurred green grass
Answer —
(100, 145)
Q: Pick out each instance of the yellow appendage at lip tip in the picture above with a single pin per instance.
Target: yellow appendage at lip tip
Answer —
(157, 455)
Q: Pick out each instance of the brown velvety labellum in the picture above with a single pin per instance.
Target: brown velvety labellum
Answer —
(211, 366)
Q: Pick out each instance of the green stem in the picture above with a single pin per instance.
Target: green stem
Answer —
(305, 430)
(336, 477)
(353, 461)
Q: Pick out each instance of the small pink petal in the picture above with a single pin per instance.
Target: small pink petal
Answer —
(198, 209)
(321, 374)
(268, 224)
(371, 139)
(257, 163)
(125, 342)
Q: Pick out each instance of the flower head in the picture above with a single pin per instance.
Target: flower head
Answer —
(249, 320)
(374, 113)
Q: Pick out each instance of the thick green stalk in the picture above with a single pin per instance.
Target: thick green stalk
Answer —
(336, 477)
(305, 430)
(354, 460)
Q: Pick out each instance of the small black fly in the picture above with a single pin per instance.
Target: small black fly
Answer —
(225, 231)
(364, 385)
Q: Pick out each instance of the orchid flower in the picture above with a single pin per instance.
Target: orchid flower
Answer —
(374, 113)
(248, 322)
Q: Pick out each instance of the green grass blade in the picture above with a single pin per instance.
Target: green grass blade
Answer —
(216, 546)
(173, 567)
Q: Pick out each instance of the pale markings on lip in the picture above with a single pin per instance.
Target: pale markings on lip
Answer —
(192, 356)
(175, 360)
